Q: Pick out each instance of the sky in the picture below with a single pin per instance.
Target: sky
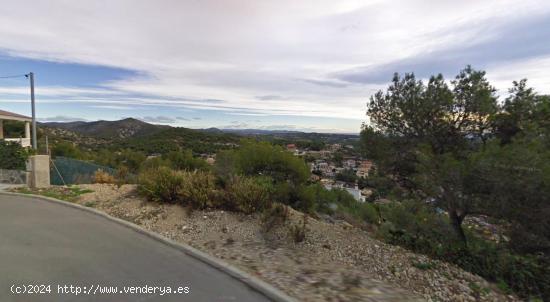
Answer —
(275, 65)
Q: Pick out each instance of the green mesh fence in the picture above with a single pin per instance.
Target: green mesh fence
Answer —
(74, 171)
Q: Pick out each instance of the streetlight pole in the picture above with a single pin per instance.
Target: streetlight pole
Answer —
(34, 145)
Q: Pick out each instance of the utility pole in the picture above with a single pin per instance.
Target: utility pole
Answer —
(34, 145)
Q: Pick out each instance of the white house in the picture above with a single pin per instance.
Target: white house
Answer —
(10, 116)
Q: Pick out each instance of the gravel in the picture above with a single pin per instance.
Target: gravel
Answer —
(335, 262)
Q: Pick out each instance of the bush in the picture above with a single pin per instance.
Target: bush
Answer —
(249, 194)
(298, 231)
(274, 216)
(123, 176)
(12, 156)
(161, 184)
(102, 177)
(198, 189)
(66, 149)
(367, 212)
(417, 227)
(262, 158)
(528, 276)
(184, 160)
(195, 189)
(155, 163)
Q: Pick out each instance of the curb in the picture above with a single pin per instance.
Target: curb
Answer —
(254, 283)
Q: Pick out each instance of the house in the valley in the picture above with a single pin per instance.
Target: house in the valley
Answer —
(10, 116)
(364, 168)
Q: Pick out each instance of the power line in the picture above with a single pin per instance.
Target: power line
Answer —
(13, 76)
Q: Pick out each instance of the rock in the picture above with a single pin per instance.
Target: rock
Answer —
(229, 241)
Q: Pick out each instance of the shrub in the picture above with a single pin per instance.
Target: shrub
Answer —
(66, 149)
(262, 158)
(274, 216)
(12, 156)
(249, 194)
(305, 200)
(122, 176)
(102, 177)
(160, 184)
(197, 189)
(184, 160)
(154, 163)
(298, 231)
(420, 229)
(364, 212)
(369, 213)
(423, 265)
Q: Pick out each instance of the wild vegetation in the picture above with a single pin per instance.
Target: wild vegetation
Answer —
(70, 193)
(443, 152)
(13, 156)
(455, 149)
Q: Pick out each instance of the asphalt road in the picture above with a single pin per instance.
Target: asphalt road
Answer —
(42, 243)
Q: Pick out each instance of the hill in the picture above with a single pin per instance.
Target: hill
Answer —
(151, 139)
(135, 135)
(125, 128)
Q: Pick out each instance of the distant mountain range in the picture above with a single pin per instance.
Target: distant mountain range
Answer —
(125, 128)
(131, 127)
(135, 134)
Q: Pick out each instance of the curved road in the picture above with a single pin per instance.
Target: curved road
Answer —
(46, 243)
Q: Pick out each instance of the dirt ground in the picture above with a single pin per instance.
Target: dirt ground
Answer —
(335, 262)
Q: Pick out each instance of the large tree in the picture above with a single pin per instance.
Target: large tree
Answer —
(429, 130)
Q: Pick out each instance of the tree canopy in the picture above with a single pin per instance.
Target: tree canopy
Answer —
(456, 146)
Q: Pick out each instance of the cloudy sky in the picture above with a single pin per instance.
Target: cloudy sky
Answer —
(285, 64)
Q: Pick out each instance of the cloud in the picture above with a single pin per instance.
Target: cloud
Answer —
(269, 97)
(158, 119)
(181, 118)
(534, 69)
(520, 39)
(319, 59)
(333, 84)
(113, 107)
(61, 119)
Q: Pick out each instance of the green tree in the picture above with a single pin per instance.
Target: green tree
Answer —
(412, 121)
(14, 129)
(337, 158)
(262, 158)
(66, 149)
(451, 183)
(347, 175)
(184, 160)
(287, 172)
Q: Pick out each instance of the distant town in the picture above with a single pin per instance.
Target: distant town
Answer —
(337, 166)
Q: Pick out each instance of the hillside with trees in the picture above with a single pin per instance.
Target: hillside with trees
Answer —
(450, 151)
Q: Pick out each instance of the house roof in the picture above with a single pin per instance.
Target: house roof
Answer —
(6, 115)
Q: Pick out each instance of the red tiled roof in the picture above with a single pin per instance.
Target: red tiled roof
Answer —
(15, 115)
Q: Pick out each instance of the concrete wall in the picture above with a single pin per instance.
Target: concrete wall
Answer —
(39, 167)
(13, 177)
